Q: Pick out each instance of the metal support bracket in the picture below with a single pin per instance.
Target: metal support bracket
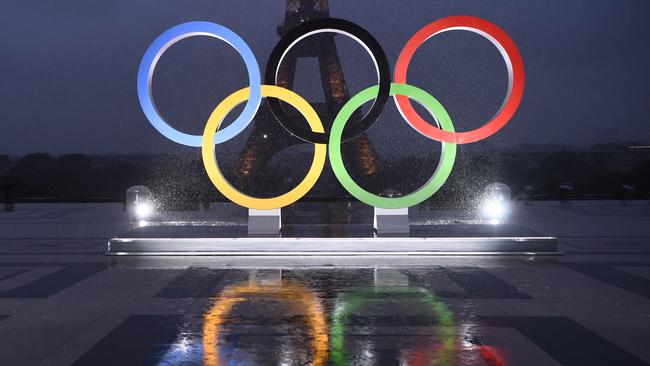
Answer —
(391, 221)
(264, 222)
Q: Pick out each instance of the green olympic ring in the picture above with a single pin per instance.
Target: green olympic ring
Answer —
(439, 177)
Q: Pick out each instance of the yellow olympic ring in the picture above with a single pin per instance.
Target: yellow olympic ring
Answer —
(291, 291)
(219, 181)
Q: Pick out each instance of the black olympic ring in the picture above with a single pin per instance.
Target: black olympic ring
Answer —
(326, 25)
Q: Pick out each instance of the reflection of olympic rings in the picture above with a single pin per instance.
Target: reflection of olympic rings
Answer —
(166, 40)
(510, 54)
(339, 26)
(229, 191)
(448, 154)
(232, 296)
(490, 356)
(316, 133)
(355, 300)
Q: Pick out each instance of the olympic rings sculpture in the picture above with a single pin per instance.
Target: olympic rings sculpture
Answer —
(442, 130)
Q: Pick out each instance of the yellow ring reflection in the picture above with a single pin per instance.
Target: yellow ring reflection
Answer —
(288, 291)
(220, 182)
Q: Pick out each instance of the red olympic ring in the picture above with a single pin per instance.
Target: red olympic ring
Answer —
(510, 54)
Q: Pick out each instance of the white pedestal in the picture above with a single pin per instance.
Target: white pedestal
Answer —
(264, 222)
(391, 221)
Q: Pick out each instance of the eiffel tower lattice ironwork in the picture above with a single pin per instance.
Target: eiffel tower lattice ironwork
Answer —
(269, 138)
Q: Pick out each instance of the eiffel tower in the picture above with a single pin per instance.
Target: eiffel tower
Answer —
(268, 137)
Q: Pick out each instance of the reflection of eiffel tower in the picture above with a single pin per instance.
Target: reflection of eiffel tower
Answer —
(268, 137)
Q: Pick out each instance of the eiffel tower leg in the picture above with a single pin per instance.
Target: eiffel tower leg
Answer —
(336, 90)
(266, 140)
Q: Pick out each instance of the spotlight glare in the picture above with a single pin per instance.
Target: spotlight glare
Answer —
(143, 210)
(495, 210)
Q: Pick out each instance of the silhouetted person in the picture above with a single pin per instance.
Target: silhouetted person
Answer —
(9, 198)
(563, 192)
(624, 191)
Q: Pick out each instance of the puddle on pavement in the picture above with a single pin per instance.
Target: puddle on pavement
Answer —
(272, 318)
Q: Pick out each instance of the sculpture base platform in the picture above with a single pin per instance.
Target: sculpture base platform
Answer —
(351, 240)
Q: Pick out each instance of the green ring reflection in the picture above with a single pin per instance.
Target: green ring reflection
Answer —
(355, 300)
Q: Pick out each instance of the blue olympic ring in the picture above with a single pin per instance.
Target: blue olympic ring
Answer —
(166, 40)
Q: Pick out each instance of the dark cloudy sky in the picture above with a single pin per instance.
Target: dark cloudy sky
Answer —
(68, 68)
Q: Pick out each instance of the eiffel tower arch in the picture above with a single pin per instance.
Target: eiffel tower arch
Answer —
(268, 137)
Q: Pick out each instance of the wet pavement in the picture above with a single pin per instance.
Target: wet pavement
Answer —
(62, 302)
